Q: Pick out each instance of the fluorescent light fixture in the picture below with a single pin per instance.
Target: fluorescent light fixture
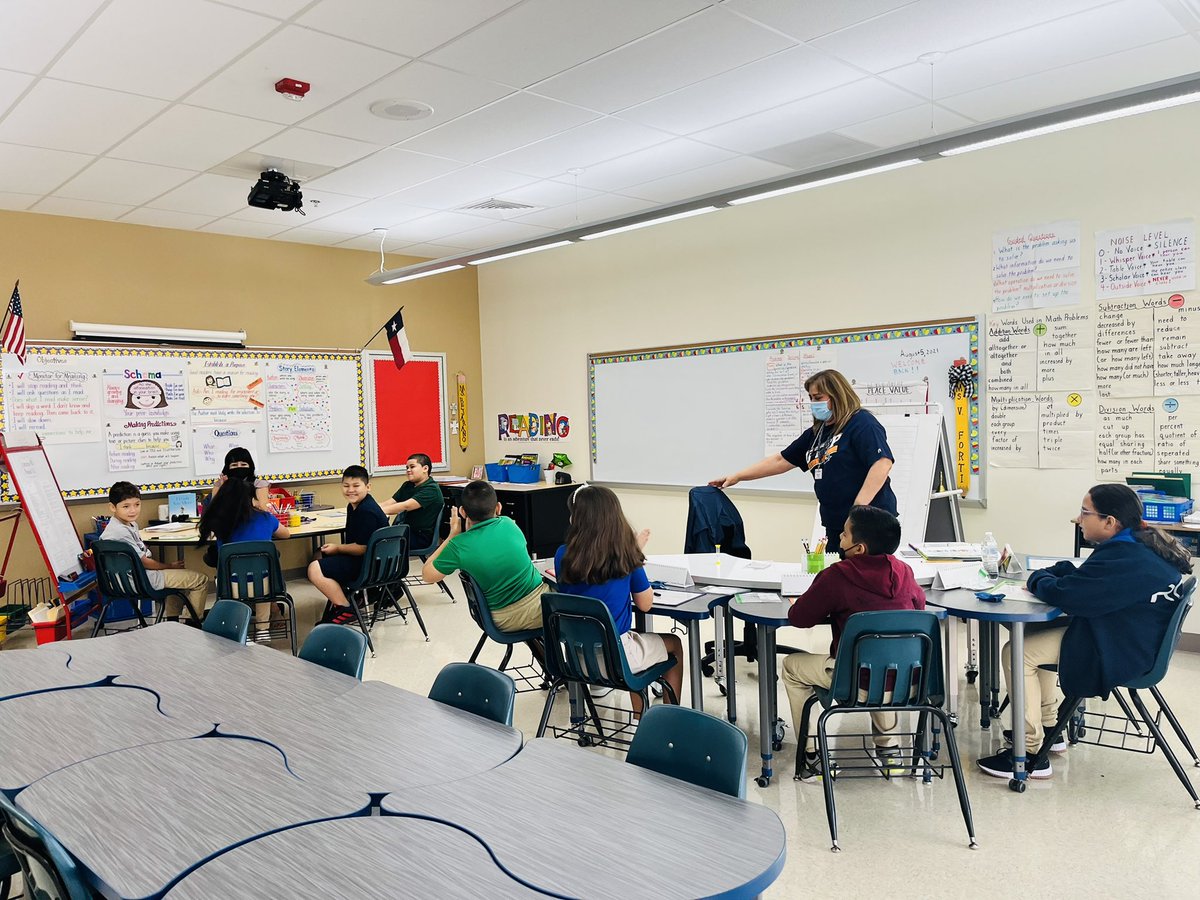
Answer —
(1109, 115)
(683, 215)
(145, 334)
(416, 275)
(821, 182)
(510, 255)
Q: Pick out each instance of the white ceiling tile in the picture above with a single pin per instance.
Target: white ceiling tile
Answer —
(899, 37)
(451, 94)
(306, 235)
(384, 173)
(709, 179)
(277, 217)
(315, 147)
(540, 38)
(548, 193)
(434, 227)
(371, 242)
(507, 124)
(206, 195)
(466, 185)
(412, 27)
(1156, 62)
(79, 209)
(278, 9)
(10, 200)
(12, 85)
(32, 32)
(670, 158)
(319, 204)
(778, 79)
(834, 109)
(244, 229)
(699, 47)
(189, 137)
(1087, 35)
(579, 147)
(906, 126)
(805, 21)
(385, 212)
(159, 49)
(165, 218)
(121, 181)
(586, 212)
(498, 233)
(78, 117)
(28, 169)
(334, 67)
(431, 251)
(815, 151)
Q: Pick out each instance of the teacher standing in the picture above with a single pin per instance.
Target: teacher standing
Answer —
(845, 450)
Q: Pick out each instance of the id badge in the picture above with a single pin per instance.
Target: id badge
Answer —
(817, 474)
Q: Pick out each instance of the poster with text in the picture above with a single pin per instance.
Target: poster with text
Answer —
(1035, 267)
(210, 443)
(146, 445)
(61, 405)
(225, 390)
(147, 392)
(299, 406)
(1146, 259)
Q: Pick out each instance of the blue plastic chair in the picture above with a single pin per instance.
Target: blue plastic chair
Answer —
(1071, 716)
(887, 661)
(582, 647)
(476, 689)
(228, 619)
(337, 648)
(249, 572)
(120, 575)
(423, 553)
(384, 568)
(49, 871)
(533, 678)
(9, 866)
(692, 746)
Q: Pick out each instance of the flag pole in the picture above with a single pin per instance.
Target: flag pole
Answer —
(372, 337)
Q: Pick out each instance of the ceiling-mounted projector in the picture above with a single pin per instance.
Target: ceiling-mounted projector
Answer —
(274, 190)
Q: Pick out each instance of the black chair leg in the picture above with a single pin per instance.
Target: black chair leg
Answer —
(507, 657)
(1129, 714)
(554, 689)
(1066, 709)
(827, 779)
(591, 705)
(1166, 749)
(964, 802)
(416, 609)
(478, 648)
(100, 617)
(1162, 704)
(802, 736)
(362, 624)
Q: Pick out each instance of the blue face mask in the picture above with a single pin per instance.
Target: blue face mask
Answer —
(821, 411)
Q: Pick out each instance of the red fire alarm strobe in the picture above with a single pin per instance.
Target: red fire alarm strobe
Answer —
(291, 88)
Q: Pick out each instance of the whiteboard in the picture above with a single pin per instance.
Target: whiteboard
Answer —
(42, 502)
(163, 418)
(683, 416)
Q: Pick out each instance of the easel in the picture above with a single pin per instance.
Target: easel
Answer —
(23, 460)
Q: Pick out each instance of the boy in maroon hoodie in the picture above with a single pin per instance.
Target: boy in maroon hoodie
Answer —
(867, 578)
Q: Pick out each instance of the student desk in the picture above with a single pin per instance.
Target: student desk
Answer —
(362, 856)
(326, 523)
(1010, 611)
(576, 823)
(40, 670)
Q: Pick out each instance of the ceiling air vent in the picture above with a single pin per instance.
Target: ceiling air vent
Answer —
(495, 205)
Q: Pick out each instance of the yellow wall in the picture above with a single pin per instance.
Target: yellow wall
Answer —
(280, 293)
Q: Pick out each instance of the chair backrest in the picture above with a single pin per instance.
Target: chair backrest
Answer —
(385, 561)
(336, 647)
(436, 537)
(250, 571)
(481, 613)
(1183, 596)
(896, 651)
(476, 689)
(581, 641)
(692, 746)
(228, 619)
(120, 574)
(49, 871)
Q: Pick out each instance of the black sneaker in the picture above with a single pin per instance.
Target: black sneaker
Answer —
(1059, 746)
(1001, 766)
(810, 769)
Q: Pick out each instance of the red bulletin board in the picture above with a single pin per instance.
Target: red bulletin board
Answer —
(407, 410)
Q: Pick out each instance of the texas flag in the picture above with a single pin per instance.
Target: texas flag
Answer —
(398, 339)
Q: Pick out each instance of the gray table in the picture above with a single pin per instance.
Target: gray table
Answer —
(574, 822)
(22, 671)
(171, 805)
(45, 732)
(690, 613)
(356, 857)
(380, 738)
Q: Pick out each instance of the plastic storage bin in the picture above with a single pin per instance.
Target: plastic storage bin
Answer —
(497, 472)
(519, 473)
(1161, 508)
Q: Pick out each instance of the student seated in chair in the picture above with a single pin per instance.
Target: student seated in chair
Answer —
(340, 564)
(603, 558)
(418, 503)
(125, 503)
(1120, 601)
(867, 578)
(491, 549)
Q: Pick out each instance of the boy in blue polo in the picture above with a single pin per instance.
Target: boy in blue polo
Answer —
(340, 564)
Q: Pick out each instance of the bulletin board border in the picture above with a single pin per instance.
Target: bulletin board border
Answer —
(898, 331)
(8, 495)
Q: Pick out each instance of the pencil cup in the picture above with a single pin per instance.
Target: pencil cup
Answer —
(816, 562)
(294, 520)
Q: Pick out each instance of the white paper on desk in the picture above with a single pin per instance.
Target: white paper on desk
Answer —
(171, 526)
(757, 597)
(1045, 562)
(967, 576)
(674, 575)
(795, 583)
(674, 598)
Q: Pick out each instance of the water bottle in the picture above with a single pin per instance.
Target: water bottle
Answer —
(991, 555)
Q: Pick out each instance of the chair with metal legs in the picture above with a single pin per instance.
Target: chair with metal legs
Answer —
(120, 575)
(531, 677)
(423, 554)
(249, 572)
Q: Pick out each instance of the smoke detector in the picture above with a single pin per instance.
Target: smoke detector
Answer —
(401, 110)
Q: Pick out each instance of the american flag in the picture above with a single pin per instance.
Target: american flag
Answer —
(14, 327)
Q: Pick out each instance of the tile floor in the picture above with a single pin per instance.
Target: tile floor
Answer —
(1108, 823)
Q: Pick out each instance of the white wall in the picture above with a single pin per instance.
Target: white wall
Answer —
(903, 246)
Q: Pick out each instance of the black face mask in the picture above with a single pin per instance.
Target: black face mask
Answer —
(842, 553)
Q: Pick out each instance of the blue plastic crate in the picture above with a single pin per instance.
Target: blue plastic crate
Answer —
(1161, 508)
(524, 473)
(497, 472)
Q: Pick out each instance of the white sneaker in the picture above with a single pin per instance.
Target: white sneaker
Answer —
(1059, 746)
(262, 635)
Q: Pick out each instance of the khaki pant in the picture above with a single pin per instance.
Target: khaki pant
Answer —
(1042, 696)
(804, 671)
(524, 615)
(194, 583)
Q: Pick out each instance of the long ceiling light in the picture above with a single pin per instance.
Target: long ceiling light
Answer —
(511, 254)
(821, 182)
(646, 223)
(392, 278)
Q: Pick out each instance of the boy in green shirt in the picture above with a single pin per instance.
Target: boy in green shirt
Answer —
(418, 503)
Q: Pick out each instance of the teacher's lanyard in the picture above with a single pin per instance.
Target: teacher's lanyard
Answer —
(816, 453)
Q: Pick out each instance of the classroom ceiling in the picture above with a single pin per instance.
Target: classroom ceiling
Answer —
(572, 111)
